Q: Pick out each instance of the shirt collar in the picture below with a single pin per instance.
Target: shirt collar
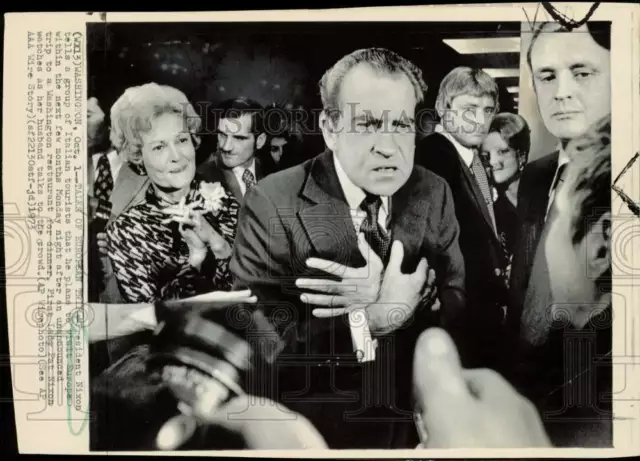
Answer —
(466, 153)
(238, 170)
(563, 159)
(115, 159)
(353, 193)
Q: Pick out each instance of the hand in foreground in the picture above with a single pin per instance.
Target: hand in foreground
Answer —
(469, 408)
(261, 423)
(101, 239)
(357, 287)
(108, 321)
(400, 293)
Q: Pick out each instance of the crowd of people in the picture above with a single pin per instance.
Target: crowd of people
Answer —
(466, 264)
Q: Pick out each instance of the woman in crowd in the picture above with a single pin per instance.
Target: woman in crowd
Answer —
(285, 140)
(507, 148)
(177, 242)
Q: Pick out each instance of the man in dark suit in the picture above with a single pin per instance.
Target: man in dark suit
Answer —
(570, 338)
(466, 103)
(241, 135)
(572, 82)
(299, 224)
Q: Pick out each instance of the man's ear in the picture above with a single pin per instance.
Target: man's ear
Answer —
(599, 246)
(440, 109)
(329, 132)
(260, 140)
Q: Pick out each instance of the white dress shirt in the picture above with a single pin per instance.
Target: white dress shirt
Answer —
(363, 343)
(115, 162)
(239, 171)
(355, 196)
(465, 152)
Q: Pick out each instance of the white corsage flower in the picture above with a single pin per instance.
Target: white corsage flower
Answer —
(212, 195)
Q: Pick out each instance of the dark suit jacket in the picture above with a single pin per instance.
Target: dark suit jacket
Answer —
(482, 251)
(214, 170)
(300, 213)
(533, 198)
(128, 190)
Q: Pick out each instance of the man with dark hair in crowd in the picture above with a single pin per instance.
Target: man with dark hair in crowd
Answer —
(338, 214)
(552, 278)
(572, 82)
(241, 135)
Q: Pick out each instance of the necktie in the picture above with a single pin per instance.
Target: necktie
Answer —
(248, 179)
(374, 234)
(538, 297)
(103, 186)
(480, 175)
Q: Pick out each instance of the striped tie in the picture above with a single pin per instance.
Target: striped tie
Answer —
(374, 234)
(480, 175)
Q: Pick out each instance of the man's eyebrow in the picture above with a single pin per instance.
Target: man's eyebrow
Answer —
(404, 120)
(580, 65)
(366, 117)
(241, 136)
(544, 69)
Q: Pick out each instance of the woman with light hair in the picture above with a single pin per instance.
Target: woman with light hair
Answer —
(177, 242)
(506, 150)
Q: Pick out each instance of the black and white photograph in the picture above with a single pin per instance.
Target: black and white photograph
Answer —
(349, 235)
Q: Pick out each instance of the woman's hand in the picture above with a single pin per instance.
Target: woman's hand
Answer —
(198, 233)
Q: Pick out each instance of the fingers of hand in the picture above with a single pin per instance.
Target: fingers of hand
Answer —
(330, 267)
(371, 257)
(490, 387)
(327, 313)
(325, 286)
(420, 275)
(191, 238)
(431, 278)
(438, 376)
(176, 432)
(324, 300)
(180, 219)
(267, 425)
(222, 296)
(396, 257)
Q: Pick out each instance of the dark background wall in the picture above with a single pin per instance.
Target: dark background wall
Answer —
(270, 62)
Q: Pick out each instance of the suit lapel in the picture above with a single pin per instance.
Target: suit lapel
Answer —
(409, 206)
(233, 184)
(128, 188)
(90, 173)
(326, 219)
